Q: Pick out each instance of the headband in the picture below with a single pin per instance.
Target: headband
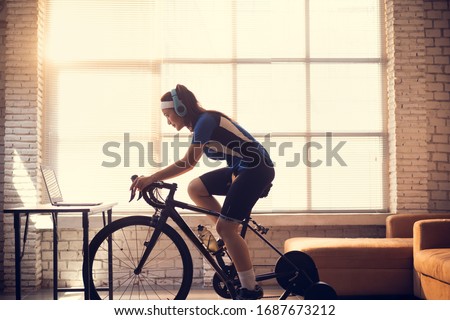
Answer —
(167, 105)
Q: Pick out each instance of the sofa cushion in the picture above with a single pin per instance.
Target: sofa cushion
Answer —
(434, 263)
(401, 225)
(371, 253)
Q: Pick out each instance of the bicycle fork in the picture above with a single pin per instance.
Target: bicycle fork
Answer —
(150, 245)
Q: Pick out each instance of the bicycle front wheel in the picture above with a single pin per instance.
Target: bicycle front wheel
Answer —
(166, 274)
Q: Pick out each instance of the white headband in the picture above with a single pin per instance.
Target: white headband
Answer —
(167, 105)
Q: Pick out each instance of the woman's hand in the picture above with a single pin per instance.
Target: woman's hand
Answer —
(141, 182)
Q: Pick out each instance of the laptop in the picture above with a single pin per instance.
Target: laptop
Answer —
(54, 192)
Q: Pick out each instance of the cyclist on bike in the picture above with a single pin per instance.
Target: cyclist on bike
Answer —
(246, 178)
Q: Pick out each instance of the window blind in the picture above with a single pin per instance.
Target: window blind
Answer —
(304, 77)
(101, 82)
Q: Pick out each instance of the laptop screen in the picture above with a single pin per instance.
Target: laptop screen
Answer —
(52, 185)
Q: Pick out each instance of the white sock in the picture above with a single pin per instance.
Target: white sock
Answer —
(247, 279)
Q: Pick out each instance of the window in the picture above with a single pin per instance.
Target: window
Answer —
(304, 77)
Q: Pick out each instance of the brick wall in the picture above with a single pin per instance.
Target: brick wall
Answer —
(417, 40)
(406, 103)
(417, 52)
(23, 102)
(437, 68)
(2, 131)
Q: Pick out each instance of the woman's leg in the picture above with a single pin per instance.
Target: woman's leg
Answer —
(236, 245)
(238, 250)
(201, 197)
(216, 182)
(244, 192)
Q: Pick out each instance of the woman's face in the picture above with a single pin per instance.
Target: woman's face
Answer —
(173, 119)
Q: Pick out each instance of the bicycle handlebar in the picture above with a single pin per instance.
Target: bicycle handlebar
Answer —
(148, 193)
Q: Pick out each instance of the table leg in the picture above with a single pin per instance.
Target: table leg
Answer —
(87, 287)
(17, 256)
(55, 255)
(110, 264)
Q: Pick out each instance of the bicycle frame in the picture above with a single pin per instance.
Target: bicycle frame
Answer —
(169, 211)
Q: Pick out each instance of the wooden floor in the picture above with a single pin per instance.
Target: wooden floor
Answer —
(270, 293)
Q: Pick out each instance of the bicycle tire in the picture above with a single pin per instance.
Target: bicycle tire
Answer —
(291, 263)
(167, 273)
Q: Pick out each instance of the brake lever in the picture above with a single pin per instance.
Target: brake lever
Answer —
(133, 193)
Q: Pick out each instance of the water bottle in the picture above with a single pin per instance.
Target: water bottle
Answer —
(207, 238)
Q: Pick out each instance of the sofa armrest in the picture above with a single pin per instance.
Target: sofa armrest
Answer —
(401, 225)
(428, 234)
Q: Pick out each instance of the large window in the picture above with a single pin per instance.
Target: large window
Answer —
(304, 77)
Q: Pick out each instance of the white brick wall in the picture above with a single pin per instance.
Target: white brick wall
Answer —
(418, 50)
(2, 133)
(437, 64)
(407, 122)
(23, 101)
(418, 86)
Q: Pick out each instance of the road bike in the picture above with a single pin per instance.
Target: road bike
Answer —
(145, 257)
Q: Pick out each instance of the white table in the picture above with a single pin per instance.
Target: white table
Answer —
(86, 211)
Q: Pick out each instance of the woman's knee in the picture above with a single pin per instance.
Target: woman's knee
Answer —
(196, 188)
(226, 228)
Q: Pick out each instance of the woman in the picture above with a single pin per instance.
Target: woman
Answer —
(246, 178)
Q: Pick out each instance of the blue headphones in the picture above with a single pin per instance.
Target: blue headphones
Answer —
(179, 107)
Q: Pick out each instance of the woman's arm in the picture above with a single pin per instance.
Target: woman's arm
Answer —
(190, 159)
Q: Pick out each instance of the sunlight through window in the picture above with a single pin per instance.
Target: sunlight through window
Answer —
(304, 77)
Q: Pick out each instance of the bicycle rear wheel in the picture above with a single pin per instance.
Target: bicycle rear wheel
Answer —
(166, 275)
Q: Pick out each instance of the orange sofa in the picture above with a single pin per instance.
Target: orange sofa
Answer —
(432, 259)
(367, 266)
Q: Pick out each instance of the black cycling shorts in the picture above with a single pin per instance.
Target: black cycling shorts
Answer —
(241, 195)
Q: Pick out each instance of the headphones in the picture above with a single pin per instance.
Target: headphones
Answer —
(179, 107)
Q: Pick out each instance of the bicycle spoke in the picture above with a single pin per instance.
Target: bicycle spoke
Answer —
(117, 258)
(161, 287)
(128, 246)
(157, 255)
(143, 288)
